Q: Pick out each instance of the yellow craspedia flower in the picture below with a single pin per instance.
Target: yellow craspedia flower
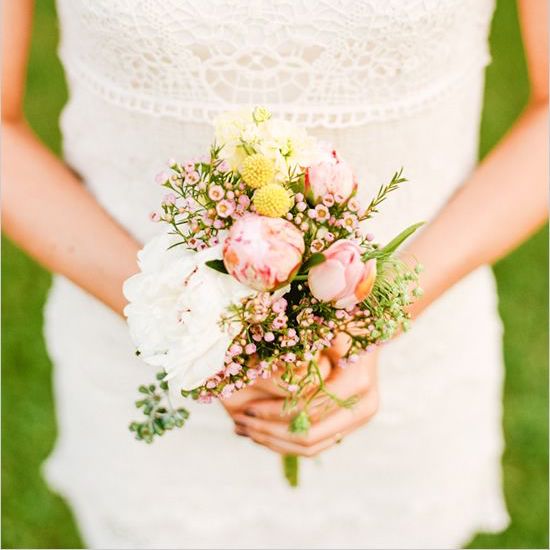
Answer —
(272, 200)
(257, 170)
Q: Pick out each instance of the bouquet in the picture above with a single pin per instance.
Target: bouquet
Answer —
(262, 263)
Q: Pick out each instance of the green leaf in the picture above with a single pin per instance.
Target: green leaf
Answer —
(315, 259)
(395, 243)
(216, 265)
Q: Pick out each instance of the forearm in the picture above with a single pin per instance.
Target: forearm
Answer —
(49, 213)
(503, 202)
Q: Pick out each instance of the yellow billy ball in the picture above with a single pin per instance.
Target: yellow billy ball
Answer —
(257, 171)
(272, 200)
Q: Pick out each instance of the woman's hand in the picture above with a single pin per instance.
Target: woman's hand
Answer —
(266, 391)
(260, 417)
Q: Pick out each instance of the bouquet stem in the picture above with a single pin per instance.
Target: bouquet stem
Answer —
(291, 468)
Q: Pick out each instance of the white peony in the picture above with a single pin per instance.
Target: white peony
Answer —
(175, 305)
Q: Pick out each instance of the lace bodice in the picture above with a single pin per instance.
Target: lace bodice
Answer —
(330, 63)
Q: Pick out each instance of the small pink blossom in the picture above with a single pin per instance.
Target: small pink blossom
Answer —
(316, 245)
(279, 322)
(257, 333)
(225, 208)
(279, 306)
(322, 213)
(328, 200)
(235, 349)
(191, 178)
(154, 216)
(233, 368)
(244, 201)
(353, 205)
(216, 192)
(349, 221)
(249, 349)
(189, 166)
(269, 337)
(170, 198)
(227, 391)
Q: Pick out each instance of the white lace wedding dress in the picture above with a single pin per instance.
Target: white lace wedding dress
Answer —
(390, 83)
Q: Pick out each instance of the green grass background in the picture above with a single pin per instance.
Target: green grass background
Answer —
(33, 517)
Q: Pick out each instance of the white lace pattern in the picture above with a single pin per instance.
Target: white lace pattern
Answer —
(329, 63)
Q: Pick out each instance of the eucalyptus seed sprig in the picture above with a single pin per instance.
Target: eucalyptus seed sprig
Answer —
(160, 415)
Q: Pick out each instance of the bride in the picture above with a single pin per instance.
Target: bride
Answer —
(385, 82)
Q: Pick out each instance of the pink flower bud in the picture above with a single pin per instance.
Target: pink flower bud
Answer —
(263, 253)
(343, 278)
(331, 176)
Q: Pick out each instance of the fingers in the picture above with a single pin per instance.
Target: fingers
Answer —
(354, 380)
(288, 447)
(240, 399)
(322, 435)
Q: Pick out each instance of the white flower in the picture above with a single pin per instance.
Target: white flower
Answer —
(244, 132)
(229, 128)
(289, 146)
(176, 302)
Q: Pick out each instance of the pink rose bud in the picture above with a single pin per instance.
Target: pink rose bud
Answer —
(263, 253)
(343, 278)
(331, 176)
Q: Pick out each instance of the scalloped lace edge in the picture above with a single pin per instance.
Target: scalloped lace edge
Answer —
(340, 116)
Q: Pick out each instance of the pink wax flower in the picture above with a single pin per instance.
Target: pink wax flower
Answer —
(263, 253)
(225, 208)
(343, 278)
(331, 176)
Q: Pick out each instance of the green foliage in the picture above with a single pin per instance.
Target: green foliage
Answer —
(217, 265)
(160, 415)
(33, 517)
(383, 193)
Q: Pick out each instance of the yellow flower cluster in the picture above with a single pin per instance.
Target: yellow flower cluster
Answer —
(257, 171)
(272, 200)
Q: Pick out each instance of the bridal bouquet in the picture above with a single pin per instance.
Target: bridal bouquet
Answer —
(261, 265)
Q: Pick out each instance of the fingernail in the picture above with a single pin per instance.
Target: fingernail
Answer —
(239, 423)
(249, 412)
(241, 432)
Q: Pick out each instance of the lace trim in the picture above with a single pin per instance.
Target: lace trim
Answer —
(341, 116)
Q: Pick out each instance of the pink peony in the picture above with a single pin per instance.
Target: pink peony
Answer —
(263, 253)
(331, 176)
(343, 278)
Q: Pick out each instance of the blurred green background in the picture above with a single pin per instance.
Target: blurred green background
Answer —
(33, 517)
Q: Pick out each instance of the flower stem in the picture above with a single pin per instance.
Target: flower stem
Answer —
(291, 469)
